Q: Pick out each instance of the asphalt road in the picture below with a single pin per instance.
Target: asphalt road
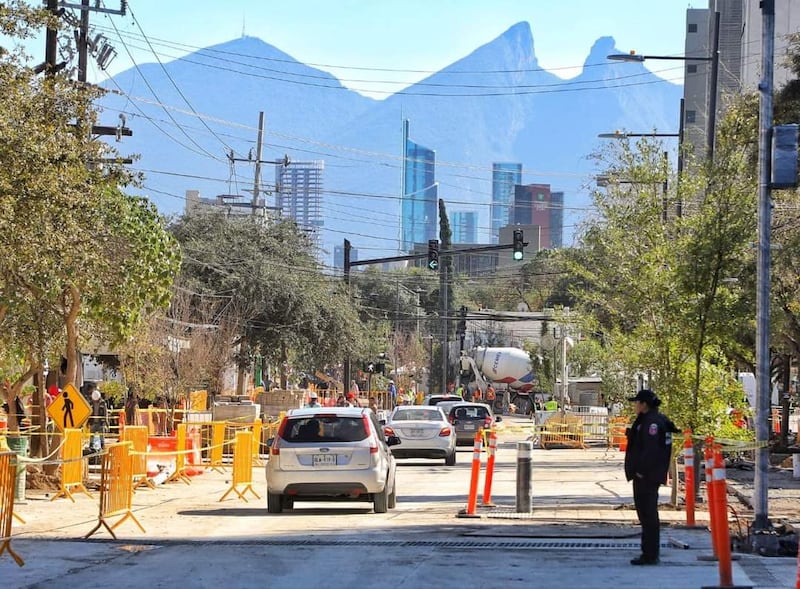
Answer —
(581, 533)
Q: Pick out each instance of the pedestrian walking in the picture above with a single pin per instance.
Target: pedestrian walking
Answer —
(392, 393)
(646, 464)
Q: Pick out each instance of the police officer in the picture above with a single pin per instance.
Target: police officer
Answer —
(646, 464)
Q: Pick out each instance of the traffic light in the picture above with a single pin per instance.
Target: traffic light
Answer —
(519, 244)
(461, 330)
(433, 254)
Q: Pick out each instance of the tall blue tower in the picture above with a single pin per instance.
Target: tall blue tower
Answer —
(504, 177)
(420, 193)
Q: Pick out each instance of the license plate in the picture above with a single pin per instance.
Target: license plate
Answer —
(469, 426)
(324, 460)
(416, 433)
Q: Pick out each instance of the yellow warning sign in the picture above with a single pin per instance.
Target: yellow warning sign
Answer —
(69, 409)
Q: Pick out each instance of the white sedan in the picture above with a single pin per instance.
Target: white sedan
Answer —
(424, 431)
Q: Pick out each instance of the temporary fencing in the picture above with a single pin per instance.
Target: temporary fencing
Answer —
(137, 435)
(73, 464)
(242, 466)
(563, 430)
(180, 457)
(8, 472)
(217, 444)
(116, 488)
(257, 431)
(617, 433)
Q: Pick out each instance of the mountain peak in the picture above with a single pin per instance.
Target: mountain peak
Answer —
(600, 51)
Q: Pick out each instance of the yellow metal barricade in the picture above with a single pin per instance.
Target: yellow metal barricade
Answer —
(617, 428)
(257, 432)
(137, 435)
(116, 488)
(217, 445)
(8, 473)
(242, 466)
(72, 466)
(566, 430)
(180, 457)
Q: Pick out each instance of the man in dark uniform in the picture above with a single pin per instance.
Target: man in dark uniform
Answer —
(646, 464)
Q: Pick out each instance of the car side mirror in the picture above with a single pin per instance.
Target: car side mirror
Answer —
(498, 418)
(392, 440)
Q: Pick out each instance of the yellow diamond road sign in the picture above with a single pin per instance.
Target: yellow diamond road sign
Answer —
(69, 409)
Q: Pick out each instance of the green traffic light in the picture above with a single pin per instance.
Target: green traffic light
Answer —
(517, 256)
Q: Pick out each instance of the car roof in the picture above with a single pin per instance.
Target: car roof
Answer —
(470, 404)
(338, 411)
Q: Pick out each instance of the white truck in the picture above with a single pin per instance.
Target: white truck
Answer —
(509, 369)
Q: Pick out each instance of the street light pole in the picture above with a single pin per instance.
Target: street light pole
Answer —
(761, 480)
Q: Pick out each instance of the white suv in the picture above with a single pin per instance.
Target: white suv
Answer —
(331, 454)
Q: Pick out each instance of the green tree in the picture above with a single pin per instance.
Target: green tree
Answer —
(281, 303)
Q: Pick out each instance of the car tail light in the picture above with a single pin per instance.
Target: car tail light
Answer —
(275, 449)
(387, 431)
(445, 431)
(373, 447)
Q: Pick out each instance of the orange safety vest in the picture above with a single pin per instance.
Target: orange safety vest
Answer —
(490, 394)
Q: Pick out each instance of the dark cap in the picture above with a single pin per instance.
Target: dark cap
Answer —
(645, 396)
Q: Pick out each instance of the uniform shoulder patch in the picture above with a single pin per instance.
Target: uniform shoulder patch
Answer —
(653, 429)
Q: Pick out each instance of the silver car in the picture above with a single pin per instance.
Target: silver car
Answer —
(424, 432)
(331, 454)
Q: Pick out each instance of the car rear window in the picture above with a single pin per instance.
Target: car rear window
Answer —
(417, 415)
(328, 428)
(437, 400)
(470, 412)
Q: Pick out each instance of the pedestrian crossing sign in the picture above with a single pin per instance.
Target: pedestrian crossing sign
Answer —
(69, 409)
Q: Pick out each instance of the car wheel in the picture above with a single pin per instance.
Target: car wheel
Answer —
(450, 460)
(274, 503)
(380, 501)
(393, 498)
(287, 502)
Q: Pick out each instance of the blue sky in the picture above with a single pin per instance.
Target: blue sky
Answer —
(422, 35)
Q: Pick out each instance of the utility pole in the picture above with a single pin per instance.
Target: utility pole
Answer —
(259, 144)
(761, 521)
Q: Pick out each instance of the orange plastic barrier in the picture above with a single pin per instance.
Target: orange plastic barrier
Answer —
(242, 466)
(472, 500)
(720, 510)
(137, 435)
(161, 454)
(688, 475)
(8, 473)
(618, 438)
(708, 458)
(72, 466)
(487, 482)
(116, 488)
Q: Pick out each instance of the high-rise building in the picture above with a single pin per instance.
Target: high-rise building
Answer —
(419, 220)
(298, 195)
(464, 226)
(536, 204)
(739, 56)
(338, 256)
(504, 177)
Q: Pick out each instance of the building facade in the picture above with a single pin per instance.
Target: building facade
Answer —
(298, 195)
(338, 256)
(536, 204)
(504, 177)
(739, 57)
(419, 208)
(464, 226)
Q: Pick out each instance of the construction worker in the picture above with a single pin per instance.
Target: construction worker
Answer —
(551, 405)
(490, 394)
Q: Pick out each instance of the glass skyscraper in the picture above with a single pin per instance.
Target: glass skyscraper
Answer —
(504, 177)
(420, 208)
(465, 227)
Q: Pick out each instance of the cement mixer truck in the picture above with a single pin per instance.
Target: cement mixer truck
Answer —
(508, 369)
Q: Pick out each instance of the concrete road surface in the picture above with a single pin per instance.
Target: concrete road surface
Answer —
(581, 533)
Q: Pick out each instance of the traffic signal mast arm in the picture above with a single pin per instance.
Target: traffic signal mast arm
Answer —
(450, 252)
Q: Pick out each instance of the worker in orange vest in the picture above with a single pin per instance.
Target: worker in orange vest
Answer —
(490, 394)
